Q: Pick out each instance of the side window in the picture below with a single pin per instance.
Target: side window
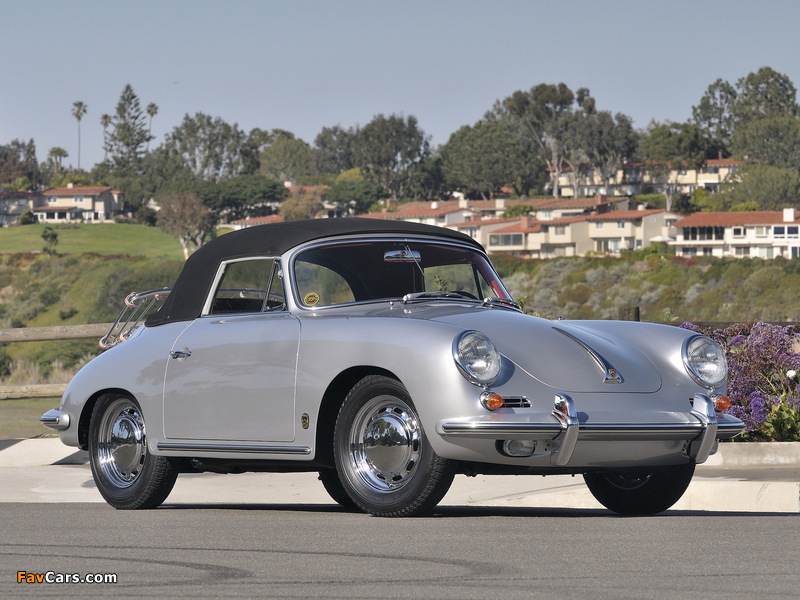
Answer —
(243, 287)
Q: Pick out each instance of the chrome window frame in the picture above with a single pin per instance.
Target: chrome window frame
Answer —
(291, 258)
(206, 312)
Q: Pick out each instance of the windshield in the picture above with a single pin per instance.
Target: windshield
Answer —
(366, 271)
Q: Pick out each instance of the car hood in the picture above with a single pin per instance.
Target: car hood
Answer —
(567, 356)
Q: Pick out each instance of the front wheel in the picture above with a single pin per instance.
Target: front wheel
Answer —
(126, 474)
(384, 461)
(640, 493)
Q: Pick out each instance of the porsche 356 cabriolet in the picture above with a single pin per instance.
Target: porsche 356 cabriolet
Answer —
(388, 357)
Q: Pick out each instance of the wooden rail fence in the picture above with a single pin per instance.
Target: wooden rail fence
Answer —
(44, 334)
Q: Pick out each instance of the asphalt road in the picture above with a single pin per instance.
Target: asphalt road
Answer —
(321, 551)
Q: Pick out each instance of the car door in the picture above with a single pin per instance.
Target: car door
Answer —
(231, 377)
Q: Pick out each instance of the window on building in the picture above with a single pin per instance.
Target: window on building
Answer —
(559, 230)
(779, 232)
(742, 250)
(738, 232)
(762, 231)
(598, 224)
(765, 252)
(505, 239)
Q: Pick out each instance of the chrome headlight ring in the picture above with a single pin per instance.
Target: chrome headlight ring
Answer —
(476, 357)
(705, 361)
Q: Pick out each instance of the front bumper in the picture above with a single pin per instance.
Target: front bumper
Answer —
(566, 431)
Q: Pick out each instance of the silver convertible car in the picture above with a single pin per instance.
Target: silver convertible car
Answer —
(388, 357)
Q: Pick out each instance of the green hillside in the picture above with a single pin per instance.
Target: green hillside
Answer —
(107, 238)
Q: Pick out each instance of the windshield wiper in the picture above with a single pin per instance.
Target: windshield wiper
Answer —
(437, 295)
(507, 302)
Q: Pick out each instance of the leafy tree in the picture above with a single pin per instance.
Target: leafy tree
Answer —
(286, 158)
(18, 159)
(185, 216)
(768, 187)
(27, 217)
(249, 196)
(603, 141)
(484, 157)
(50, 236)
(126, 141)
(389, 150)
(333, 150)
(209, 148)
(774, 141)
(79, 111)
(302, 203)
(764, 94)
(356, 196)
(670, 147)
(539, 116)
(105, 123)
(516, 210)
(714, 115)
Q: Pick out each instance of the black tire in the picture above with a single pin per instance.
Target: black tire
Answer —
(640, 493)
(125, 472)
(335, 489)
(385, 463)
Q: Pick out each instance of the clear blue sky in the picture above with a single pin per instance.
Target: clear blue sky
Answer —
(301, 65)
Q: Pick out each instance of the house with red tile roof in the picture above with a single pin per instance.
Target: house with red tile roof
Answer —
(605, 233)
(637, 178)
(79, 205)
(762, 234)
(253, 221)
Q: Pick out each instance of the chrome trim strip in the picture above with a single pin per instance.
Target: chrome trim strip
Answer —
(610, 374)
(729, 427)
(531, 431)
(564, 411)
(55, 419)
(171, 446)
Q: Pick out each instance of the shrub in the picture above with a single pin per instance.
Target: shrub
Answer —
(763, 387)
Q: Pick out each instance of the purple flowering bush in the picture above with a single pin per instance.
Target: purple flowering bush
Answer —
(763, 378)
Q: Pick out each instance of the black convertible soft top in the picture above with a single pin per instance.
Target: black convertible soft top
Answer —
(185, 302)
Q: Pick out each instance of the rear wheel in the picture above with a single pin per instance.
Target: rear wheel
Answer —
(385, 463)
(640, 493)
(125, 472)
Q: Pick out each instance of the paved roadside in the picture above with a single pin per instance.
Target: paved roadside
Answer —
(760, 478)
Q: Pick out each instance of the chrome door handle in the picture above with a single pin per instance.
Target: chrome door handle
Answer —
(180, 353)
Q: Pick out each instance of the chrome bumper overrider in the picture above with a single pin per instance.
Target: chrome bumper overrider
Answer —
(568, 430)
(55, 419)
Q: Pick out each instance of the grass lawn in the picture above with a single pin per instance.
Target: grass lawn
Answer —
(20, 418)
(106, 238)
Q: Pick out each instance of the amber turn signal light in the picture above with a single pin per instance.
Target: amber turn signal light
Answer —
(491, 400)
(722, 403)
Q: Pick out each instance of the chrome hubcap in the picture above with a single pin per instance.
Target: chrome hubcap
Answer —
(121, 447)
(385, 444)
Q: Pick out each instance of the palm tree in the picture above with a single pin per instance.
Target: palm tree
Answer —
(105, 121)
(78, 110)
(57, 154)
(152, 111)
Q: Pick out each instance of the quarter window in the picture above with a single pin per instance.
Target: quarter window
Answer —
(248, 286)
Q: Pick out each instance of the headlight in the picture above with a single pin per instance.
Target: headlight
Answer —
(705, 361)
(477, 357)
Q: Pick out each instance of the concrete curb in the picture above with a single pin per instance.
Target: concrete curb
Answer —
(741, 477)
